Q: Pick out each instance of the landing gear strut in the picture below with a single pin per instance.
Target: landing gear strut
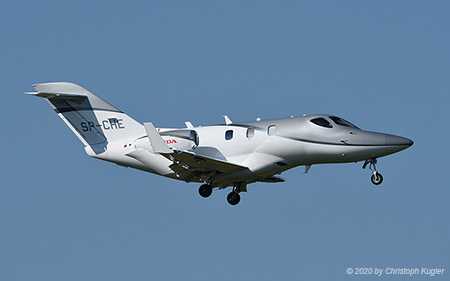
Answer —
(233, 197)
(376, 178)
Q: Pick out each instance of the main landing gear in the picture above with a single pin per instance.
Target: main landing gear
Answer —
(233, 197)
(376, 178)
(205, 190)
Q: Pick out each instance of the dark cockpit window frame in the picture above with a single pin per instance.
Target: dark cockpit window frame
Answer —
(322, 122)
(342, 122)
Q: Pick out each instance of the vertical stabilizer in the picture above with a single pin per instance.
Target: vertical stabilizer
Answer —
(94, 121)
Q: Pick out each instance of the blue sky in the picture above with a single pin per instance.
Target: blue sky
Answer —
(383, 65)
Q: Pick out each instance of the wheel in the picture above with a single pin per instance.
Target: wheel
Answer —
(205, 190)
(233, 198)
(376, 178)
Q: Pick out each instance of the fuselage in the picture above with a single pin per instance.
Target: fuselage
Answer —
(266, 147)
(233, 154)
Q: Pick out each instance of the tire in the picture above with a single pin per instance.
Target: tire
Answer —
(233, 198)
(376, 178)
(205, 190)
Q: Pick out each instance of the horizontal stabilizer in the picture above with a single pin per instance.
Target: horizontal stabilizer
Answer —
(71, 92)
(55, 95)
(153, 161)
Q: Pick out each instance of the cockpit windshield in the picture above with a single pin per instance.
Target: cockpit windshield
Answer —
(342, 122)
(321, 122)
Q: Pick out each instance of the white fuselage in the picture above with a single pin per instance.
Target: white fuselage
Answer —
(266, 148)
(234, 154)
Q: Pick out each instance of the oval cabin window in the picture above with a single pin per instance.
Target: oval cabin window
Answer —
(229, 134)
(272, 130)
(250, 133)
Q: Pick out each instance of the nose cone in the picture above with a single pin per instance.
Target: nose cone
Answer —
(380, 139)
(398, 141)
(379, 144)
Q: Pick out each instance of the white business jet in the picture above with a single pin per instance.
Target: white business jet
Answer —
(233, 154)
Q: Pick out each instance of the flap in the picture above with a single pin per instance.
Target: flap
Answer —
(190, 160)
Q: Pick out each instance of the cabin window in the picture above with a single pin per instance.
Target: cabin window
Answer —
(321, 122)
(250, 132)
(272, 130)
(229, 134)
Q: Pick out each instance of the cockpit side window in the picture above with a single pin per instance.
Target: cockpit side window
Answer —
(342, 122)
(321, 122)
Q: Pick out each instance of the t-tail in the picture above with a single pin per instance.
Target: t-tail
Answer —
(94, 121)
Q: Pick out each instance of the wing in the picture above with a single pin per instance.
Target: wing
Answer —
(199, 163)
(189, 166)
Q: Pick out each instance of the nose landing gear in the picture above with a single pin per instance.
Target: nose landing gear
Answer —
(376, 178)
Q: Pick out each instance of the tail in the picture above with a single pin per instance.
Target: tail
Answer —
(94, 121)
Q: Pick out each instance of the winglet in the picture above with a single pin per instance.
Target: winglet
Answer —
(158, 144)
